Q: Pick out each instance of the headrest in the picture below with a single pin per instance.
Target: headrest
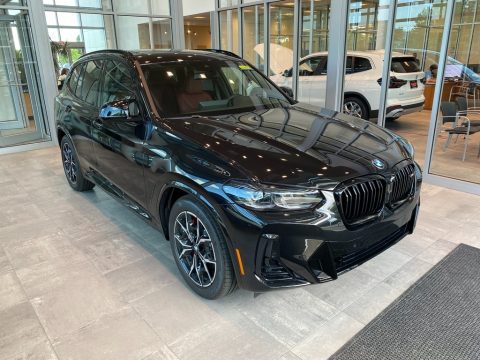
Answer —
(194, 86)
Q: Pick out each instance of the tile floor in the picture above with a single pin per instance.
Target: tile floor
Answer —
(83, 278)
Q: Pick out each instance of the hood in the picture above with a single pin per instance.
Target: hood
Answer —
(295, 145)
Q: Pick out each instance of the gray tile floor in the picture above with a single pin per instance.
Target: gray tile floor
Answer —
(83, 278)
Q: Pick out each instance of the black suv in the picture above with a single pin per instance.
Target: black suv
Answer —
(250, 187)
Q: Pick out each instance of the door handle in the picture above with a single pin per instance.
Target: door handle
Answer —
(98, 123)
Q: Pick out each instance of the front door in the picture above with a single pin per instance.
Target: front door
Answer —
(119, 144)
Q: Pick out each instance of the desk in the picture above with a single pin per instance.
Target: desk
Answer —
(429, 91)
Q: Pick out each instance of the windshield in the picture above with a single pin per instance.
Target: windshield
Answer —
(209, 87)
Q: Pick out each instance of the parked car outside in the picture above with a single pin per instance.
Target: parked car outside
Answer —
(250, 188)
(363, 79)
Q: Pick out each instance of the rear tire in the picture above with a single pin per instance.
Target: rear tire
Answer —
(355, 106)
(200, 249)
(71, 167)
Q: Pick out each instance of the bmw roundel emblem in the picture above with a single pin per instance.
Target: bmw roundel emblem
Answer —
(379, 164)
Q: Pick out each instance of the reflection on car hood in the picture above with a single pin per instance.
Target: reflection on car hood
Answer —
(295, 145)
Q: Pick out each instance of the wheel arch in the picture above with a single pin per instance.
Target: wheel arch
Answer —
(178, 188)
(60, 134)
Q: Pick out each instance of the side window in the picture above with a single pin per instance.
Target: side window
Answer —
(321, 68)
(91, 82)
(361, 64)
(75, 75)
(118, 83)
(349, 65)
(308, 66)
(78, 90)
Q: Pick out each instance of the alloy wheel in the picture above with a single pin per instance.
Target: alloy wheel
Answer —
(194, 249)
(353, 108)
(69, 164)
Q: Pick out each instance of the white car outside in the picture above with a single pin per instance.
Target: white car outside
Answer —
(362, 83)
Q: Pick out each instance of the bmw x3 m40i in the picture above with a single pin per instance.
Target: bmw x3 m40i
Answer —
(363, 80)
(249, 187)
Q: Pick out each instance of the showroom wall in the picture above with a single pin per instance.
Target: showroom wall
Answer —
(410, 78)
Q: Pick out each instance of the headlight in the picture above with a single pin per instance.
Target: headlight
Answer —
(407, 145)
(263, 197)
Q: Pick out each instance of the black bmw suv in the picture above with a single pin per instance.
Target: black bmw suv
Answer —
(249, 187)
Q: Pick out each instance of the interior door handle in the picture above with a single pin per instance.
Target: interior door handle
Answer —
(98, 123)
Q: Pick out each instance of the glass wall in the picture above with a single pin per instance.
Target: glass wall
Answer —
(456, 147)
(417, 37)
(412, 85)
(253, 37)
(229, 29)
(81, 26)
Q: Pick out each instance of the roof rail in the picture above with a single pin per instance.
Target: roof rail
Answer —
(219, 51)
(114, 51)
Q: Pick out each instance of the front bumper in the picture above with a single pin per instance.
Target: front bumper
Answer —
(288, 250)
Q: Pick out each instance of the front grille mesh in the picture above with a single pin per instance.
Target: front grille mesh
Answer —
(402, 184)
(363, 199)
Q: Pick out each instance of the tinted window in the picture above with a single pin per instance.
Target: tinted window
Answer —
(361, 64)
(91, 82)
(75, 74)
(348, 65)
(404, 65)
(78, 90)
(118, 83)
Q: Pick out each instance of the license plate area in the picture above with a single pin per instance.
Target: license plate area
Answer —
(413, 84)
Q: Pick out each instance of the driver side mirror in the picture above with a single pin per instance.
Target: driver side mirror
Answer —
(287, 73)
(123, 109)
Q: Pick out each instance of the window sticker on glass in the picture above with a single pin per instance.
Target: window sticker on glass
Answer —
(244, 67)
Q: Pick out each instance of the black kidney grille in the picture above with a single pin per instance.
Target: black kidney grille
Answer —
(402, 184)
(362, 199)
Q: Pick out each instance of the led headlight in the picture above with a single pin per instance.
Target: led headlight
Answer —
(262, 197)
(407, 145)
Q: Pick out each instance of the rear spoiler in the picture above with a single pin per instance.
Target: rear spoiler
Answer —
(219, 51)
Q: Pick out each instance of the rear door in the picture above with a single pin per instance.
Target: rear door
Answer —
(406, 70)
(119, 143)
(77, 107)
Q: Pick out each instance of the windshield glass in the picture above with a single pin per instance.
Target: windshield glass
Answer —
(209, 87)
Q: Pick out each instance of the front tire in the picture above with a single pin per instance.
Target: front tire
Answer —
(200, 249)
(71, 167)
(355, 107)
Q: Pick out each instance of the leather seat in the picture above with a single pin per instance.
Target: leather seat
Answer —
(190, 98)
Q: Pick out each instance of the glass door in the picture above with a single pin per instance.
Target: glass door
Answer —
(13, 114)
(22, 112)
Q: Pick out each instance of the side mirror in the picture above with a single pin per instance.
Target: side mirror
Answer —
(123, 109)
(287, 73)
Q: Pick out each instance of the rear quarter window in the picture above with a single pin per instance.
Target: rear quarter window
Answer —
(75, 75)
(361, 64)
(404, 65)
